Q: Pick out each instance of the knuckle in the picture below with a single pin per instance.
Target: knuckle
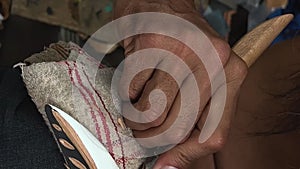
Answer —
(222, 48)
(142, 106)
(133, 94)
(183, 158)
(216, 144)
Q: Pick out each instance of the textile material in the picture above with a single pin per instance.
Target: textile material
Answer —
(68, 85)
(25, 141)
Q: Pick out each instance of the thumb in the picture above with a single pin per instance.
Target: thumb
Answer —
(181, 156)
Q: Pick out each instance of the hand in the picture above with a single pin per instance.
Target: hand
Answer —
(147, 81)
(183, 154)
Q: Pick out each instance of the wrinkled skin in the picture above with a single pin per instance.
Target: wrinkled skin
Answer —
(146, 81)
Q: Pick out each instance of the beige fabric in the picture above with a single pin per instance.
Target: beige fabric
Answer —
(67, 85)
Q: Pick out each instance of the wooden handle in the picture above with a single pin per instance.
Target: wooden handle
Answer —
(254, 43)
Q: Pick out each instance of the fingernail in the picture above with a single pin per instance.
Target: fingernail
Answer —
(169, 167)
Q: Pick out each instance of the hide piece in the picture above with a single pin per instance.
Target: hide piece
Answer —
(68, 85)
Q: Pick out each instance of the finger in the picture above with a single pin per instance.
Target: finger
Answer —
(160, 136)
(158, 94)
(156, 111)
(136, 85)
(181, 155)
(235, 72)
(176, 128)
(137, 70)
(142, 51)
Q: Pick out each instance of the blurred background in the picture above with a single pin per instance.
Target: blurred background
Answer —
(28, 26)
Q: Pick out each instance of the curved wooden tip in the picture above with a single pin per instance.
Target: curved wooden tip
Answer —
(254, 43)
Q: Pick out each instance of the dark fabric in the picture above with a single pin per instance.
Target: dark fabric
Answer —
(239, 25)
(22, 37)
(25, 140)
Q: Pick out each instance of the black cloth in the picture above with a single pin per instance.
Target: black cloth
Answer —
(239, 25)
(25, 140)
